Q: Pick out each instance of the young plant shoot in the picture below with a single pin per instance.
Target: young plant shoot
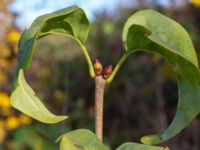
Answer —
(146, 30)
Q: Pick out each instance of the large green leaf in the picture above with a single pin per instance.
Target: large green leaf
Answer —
(81, 139)
(25, 100)
(150, 31)
(71, 22)
(136, 146)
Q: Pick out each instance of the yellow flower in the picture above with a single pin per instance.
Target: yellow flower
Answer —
(4, 100)
(12, 123)
(13, 36)
(196, 2)
(2, 131)
(25, 120)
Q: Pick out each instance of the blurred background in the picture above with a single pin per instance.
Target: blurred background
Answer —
(141, 100)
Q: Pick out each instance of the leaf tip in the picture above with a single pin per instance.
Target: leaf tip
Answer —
(151, 139)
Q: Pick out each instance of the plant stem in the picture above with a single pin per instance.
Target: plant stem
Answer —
(85, 52)
(100, 84)
(117, 67)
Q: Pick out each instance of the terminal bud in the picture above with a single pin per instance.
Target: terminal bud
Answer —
(107, 72)
(98, 68)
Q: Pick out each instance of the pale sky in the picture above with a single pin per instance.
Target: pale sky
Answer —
(30, 9)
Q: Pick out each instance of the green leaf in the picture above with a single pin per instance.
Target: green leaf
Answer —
(23, 136)
(70, 21)
(150, 31)
(136, 146)
(24, 99)
(81, 139)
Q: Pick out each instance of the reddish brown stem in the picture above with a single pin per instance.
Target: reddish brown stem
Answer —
(100, 84)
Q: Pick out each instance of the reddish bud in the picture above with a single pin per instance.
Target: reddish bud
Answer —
(98, 68)
(107, 72)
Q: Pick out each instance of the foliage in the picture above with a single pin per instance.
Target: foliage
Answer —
(69, 21)
(146, 30)
(81, 139)
(37, 109)
(22, 140)
(9, 120)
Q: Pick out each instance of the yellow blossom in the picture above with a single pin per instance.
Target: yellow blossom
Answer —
(196, 2)
(12, 123)
(2, 131)
(4, 100)
(13, 36)
(25, 120)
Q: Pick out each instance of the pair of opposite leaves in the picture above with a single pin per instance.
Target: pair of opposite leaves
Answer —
(146, 30)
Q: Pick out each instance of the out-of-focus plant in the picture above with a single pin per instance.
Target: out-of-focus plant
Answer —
(146, 30)
(9, 120)
(196, 2)
(8, 51)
